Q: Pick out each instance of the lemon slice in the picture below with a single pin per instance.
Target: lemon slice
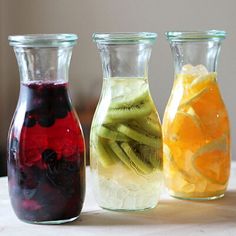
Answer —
(212, 161)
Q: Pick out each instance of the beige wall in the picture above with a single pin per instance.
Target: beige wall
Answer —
(83, 17)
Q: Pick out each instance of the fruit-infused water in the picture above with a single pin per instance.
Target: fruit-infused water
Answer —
(46, 155)
(196, 136)
(126, 146)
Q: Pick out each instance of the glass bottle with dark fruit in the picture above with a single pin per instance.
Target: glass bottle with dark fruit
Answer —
(46, 150)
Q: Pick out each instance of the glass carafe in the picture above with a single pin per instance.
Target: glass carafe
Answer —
(196, 130)
(126, 137)
(46, 167)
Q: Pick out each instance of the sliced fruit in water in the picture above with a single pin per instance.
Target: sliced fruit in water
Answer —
(186, 129)
(219, 144)
(211, 77)
(151, 155)
(211, 161)
(106, 156)
(107, 133)
(168, 157)
(129, 100)
(139, 137)
(135, 158)
(120, 153)
(150, 125)
(133, 112)
(192, 98)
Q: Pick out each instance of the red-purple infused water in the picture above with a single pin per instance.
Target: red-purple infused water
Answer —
(46, 155)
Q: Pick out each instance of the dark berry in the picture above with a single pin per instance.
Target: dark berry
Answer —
(60, 112)
(46, 120)
(49, 156)
(29, 120)
(72, 167)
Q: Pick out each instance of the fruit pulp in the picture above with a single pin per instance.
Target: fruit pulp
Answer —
(46, 155)
(196, 137)
(126, 146)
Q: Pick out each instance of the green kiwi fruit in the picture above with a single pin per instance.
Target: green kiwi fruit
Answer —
(110, 134)
(135, 158)
(106, 156)
(132, 112)
(151, 155)
(139, 137)
(150, 125)
(119, 152)
(127, 101)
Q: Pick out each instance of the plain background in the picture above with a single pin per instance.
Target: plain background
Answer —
(84, 17)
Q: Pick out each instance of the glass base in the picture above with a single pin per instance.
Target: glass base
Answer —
(197, 197)
(128, 210)
(53, 222)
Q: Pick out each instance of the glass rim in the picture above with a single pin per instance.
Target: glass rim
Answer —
(124, 37)
(42, 40)
(213, 35)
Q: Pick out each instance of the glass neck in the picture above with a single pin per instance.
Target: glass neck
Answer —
(195, 53)
(43, 64)
(125, 60)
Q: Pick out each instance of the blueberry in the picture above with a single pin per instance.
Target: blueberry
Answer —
(72, 167)
(29, 120)
(46, 120)
(49, 156)
(60, 112)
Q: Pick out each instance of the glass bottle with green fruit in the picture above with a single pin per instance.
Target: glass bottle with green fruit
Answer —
(126, 137)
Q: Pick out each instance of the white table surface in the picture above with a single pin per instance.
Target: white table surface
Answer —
(170, 217)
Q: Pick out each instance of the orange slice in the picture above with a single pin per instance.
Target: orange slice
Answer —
(212, 161)
(186, 128)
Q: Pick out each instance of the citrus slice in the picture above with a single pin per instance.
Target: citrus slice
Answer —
(212, 161)
(186, 127)
(168, 157)
(194, 97)
(203, 80)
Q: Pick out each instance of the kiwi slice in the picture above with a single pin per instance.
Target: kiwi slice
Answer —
(139, 137)
(119, 152)
(106, 156)
(133, 112)
(134, 157)
(127, 101)
(152, 155)
(107, 133)
(150, 125)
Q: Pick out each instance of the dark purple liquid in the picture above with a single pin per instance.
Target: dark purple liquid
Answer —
(46, 168)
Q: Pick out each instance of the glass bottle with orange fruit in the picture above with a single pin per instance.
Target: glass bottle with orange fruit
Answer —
(196, 130)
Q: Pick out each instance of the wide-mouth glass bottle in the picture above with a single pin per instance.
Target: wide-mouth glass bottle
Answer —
(196, 128)
(126, 137)
(46, 167)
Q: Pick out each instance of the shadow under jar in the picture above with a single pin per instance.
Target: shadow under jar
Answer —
(46, 150)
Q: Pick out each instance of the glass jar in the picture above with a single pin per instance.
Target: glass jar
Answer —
(46, 165)
(126, 137)
(196, 130)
